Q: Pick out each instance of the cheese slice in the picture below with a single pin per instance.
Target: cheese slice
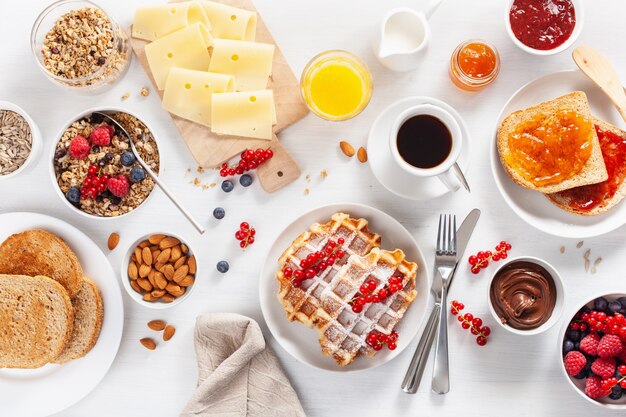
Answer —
(246, 114)
(188, 93)
(229, 22)
(185, 48)
(154, 22)
(249, 62)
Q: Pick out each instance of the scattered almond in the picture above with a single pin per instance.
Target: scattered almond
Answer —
(144, 91)
(346, 148)
(148, 343)
(168, 333)
(580, 244)
(125, 96)
(362, 155)
(114, 239)
(157, 325)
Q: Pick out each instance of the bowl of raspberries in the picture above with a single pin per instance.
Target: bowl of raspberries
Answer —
(93, 166)
(593, 347)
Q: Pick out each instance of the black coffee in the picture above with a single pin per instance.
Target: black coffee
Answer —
(424, 141)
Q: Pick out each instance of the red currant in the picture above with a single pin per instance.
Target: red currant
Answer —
(482, 341)
(341, 241)
(472, 260)
(485, 331)
(465, 325)
(287, 272)
(391, 346)
(357, 308)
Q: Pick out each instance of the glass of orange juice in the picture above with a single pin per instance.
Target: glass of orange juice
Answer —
(336, 85)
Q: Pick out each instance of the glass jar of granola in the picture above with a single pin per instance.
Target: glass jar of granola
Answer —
(78, 45)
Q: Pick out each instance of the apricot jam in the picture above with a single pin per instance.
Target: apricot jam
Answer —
(588, 197)
(474, 64)
(548, 150)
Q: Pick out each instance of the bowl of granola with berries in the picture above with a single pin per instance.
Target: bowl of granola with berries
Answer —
(94, 168)
(592, 346)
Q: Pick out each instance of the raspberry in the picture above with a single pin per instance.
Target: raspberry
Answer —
(101, 135)
(118, 186)
(622, 356)
(604, 367)
(574, 362)
(79, 147)
(593, 388)
(610, 345)
(589, 344)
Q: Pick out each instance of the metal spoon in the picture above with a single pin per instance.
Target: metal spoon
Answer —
(156, 179)
(461, 177)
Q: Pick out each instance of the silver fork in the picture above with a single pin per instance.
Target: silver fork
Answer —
(445, 261)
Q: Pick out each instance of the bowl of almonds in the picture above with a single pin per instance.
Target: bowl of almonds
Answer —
(20, 140)
(159, 270)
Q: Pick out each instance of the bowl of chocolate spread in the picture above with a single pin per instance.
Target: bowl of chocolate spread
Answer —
(526, 295)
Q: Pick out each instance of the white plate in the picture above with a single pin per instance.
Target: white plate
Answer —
(53, 388)
(388, 173)
(533, 207)
(300, 341)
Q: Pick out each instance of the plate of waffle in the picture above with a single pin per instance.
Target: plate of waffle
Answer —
(344, 288)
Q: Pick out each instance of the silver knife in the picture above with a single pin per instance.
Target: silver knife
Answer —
(418, 363)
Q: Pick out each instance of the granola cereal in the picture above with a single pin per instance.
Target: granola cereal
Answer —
(15, 141)
(71, 172)
(85, 47)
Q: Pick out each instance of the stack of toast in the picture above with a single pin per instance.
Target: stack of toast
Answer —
(50, 312)
(599, 184)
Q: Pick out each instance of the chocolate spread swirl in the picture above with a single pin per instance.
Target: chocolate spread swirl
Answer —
(523, 295)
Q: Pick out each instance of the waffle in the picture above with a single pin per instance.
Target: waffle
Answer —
(323, 302)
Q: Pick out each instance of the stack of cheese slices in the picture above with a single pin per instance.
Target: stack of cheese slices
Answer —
(50, 312)
(593, 189)
(203, 56)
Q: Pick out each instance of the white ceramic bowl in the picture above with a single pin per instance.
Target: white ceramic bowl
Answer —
(578, 27)
(560, 296)
(35, 134)
(579, 384)
(110, 109)
(138, 297)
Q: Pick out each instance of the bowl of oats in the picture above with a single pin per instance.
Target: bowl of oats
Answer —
(94, 169)
(20, 140)
(78, 45)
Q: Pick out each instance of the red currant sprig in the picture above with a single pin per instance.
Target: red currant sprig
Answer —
(377, 340)
(245, 235)
(95, 184)
(468, 321)
(599, 321)
(481, 259)
(608, 384)
(249, 160)
(316, 262)
(368, 294)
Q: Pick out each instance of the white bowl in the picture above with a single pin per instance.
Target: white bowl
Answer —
(579, 384)
(578, 27)
(36, 140)
(108, 109)
(138, 297)
(558, 306)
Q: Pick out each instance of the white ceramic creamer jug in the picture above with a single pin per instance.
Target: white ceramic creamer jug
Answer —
(403, 37)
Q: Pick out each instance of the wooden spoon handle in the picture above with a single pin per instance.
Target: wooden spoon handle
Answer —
(280, 170)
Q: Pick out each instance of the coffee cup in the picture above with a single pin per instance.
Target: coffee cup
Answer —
(426, 141)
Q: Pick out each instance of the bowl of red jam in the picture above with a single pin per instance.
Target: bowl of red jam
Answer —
(544, 27)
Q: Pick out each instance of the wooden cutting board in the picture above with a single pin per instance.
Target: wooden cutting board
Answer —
(211, 150)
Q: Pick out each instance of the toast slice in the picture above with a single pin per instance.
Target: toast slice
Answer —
(567, 199)
(35, 320)
(594, 170)
(88, 315)
(39, 252)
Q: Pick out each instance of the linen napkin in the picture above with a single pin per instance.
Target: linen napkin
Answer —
(238, 375)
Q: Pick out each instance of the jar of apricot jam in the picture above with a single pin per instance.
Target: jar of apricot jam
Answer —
(474, 64)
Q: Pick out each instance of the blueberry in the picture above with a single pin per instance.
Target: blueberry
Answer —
(137, 174)
(116, 200)
(108, 157)
(577, 346)
(615, 307)
(73, 195)
(223, 266)
(585, 309)
(573, 335)
(616, 393)
(622, 301)
(568, 345)
(227, 186)
(582, 374)
(127, 159)
(245, 180)
(600, 304)
(219, 213)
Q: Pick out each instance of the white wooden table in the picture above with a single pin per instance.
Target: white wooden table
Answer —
(510, 375)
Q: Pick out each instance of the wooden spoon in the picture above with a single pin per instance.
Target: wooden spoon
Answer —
(601, 71)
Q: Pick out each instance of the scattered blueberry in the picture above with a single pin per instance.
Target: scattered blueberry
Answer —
(223, 266)
(227, 186)
(600, 304)
(577, 346)
(73, 195)
(245, 180)
(616, 393)
(573, 335)
(568, 345)
(586, 309)
(137, 174)
(615, 307)
(127, 159)
(219, 213)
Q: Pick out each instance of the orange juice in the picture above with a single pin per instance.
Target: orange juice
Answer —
(336, 85)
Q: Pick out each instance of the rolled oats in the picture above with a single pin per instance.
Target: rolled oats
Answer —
(15, 141)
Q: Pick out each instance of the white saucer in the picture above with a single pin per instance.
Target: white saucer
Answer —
(390, 175)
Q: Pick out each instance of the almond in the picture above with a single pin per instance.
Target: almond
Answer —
(167, 298)
(138, 255)
(346, 148)
(168, 271)
(191, 262)
(168, 242)
(136, 287)
(158, 266)
(157, 293)
(184, 249)
(148, 297)
(144, 270)
(164, 256)
(168, 333)
(180, 262)
(362, 155)
(176, 253)
(148, 343)
(187, 281)
(181, 273)
(133, 272)
(174, 289)
(114, 239)
(144, 244)
(157, 325)
(151, 277)
(146, 256)
(144, 283)
(156, 239)
(155, 256)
